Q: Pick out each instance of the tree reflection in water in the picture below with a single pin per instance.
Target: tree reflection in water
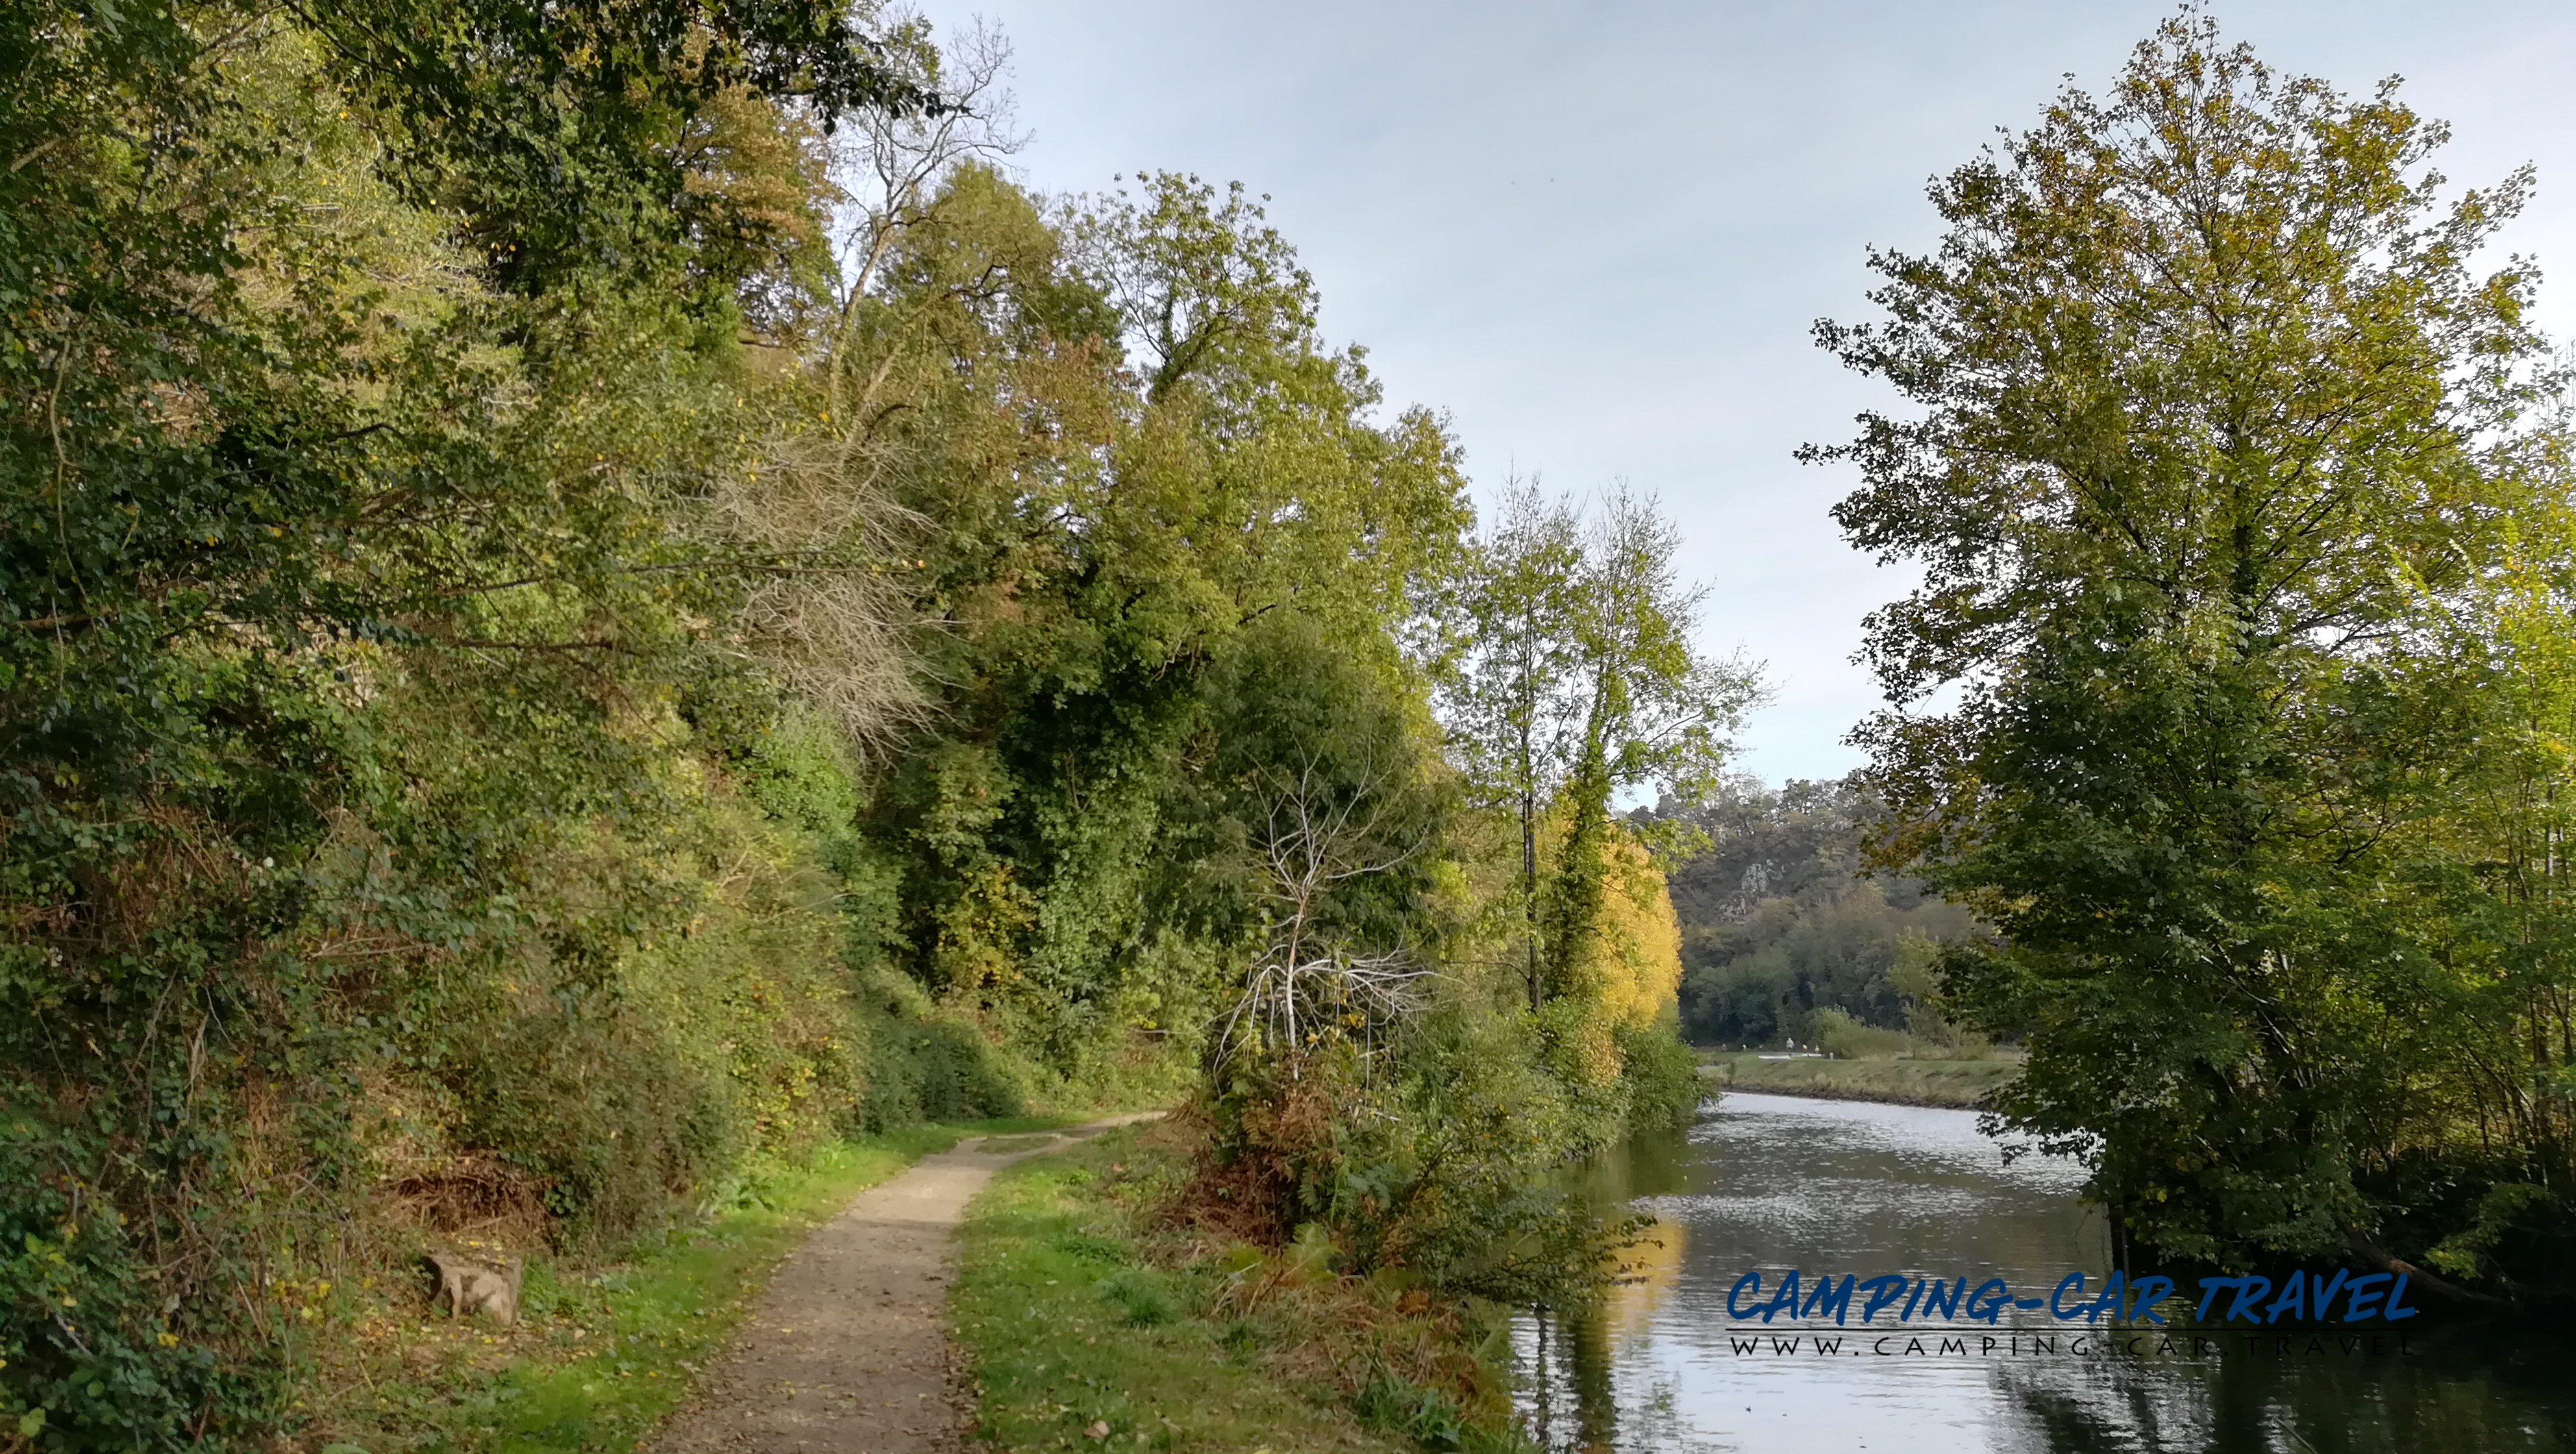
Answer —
(1776, 1182)
(2471, 1394)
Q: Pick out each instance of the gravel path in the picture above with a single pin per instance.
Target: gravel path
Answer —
(847, 1350)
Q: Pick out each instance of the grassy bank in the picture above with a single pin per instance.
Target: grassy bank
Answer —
(602, 1353)
(1087, 1327)
(1901, 1082)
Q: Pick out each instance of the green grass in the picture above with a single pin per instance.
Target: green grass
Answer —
(1069, 1329)
(1903, 1082)
(601, 1354)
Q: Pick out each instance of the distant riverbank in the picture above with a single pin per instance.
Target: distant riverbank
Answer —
(1897, 1082)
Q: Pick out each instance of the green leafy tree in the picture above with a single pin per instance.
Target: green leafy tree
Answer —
(1578, 680)
(1513, 707)
(2217, 424)
(1654, 708)
(1105, 540)
(362, 369)
(1780, 918)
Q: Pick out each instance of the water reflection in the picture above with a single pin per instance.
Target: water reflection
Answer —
(1774, 1182)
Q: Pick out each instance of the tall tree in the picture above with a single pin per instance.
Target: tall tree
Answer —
(1514, 707)
(1106, 538)
(2217, 423)
(1656, 710)
(1579, 680)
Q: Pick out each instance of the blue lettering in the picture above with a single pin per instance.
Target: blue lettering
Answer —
(2322, 1290)
(1943, 1302)
(2394, 1312)
(2149, 1292)
(1829, 1298)
(2115, 1291)
(2210, 1288)
(2293, 1299)
(1732, 1311)
(2248, 1298)
(2056, 1308)
(2357, 1306)
(1988, 1302)
(1907, 1316)
(1785, 1300)
(1883, 1292)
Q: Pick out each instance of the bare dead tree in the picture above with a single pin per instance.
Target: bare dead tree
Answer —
(832, 620)
(829, 617)
(1306, 986)
(889, 167)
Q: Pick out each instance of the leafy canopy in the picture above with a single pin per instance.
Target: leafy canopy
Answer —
(2217, 423)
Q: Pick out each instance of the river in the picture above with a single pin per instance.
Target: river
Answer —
(1777, 1182)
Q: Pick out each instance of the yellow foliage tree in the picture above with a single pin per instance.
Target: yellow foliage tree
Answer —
(1632, 962)
(1625, 971)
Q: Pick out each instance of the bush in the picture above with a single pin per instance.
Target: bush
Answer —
(1441, 1162)
(96, 1358)
(935, 1070)
(1662, 1078)
(1844, 1038)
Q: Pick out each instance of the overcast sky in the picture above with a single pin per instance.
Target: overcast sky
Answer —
(1597, 234)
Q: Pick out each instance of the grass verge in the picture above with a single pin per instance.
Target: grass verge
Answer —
(1087, 1327)
(601, 1354)
(1901, 1082)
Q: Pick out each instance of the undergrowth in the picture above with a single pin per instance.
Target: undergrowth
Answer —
(603, 1351)
(1094, 1317)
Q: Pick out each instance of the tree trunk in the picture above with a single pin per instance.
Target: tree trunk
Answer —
(1529, 893)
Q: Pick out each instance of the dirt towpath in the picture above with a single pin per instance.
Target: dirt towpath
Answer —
(847, 1350)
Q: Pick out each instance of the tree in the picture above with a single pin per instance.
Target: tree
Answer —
(2217, 424)
(1321, 833)
(362, 370)
(1779, 919)
(1579, 680)
(1105, 543)
(1655, 709)
(1513, 707)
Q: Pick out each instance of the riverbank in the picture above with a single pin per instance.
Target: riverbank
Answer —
(603, 1352)
(1084, 1319)
(1959, 1083)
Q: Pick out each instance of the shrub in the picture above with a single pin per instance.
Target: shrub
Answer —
(97, 1355)
(1441, 1161)
(1845, 1038)
(935, 1070)
(1662, 1078)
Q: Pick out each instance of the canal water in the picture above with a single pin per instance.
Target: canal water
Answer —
(1770, 1183)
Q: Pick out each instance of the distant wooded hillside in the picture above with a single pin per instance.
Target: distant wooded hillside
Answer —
(1778, 921)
